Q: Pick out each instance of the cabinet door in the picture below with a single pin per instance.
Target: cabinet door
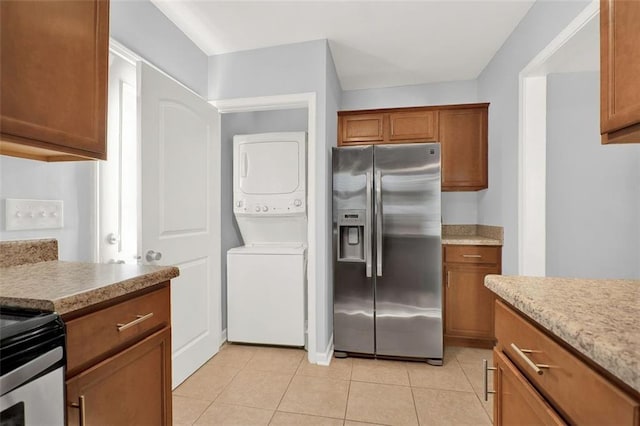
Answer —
(468, 303)
(463, 135)
(413, 126)
(516, 401)
(54, 59)
(361, 128)
(131, 388)
(620, 68)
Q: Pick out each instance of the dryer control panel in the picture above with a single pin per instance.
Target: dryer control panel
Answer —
(270, 206)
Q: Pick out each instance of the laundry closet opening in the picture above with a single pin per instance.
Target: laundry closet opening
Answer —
(245, 123)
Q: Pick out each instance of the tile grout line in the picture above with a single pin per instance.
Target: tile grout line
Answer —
(225, 386)
(415, 406)
(475, 393)
(478, 395)
(286, 389)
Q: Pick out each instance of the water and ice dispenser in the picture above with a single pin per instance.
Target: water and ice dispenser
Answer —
(351, 239)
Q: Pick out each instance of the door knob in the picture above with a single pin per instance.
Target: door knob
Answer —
(152, 256)
(113, 238)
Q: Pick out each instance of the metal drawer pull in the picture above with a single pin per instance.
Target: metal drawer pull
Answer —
(138, 320)
(81, 410)
(472, 255)
(521, 353)
(485, 387)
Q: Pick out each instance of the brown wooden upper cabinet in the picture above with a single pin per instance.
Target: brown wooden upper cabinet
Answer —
(362, 128)
(463, 136)
(620, 71)
(413, 126)
(461, 129)
(54, 65)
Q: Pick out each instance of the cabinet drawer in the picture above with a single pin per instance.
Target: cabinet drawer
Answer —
(471, 254)
(582, 394)
(91, 337)
(517, 402)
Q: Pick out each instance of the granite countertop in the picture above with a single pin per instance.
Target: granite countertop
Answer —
(600, 319)
(472, 235)
(32, 277)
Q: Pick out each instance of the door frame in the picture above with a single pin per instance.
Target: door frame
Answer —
(282, 102)
(532, 148)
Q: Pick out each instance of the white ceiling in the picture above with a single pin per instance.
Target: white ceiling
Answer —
(374, 43)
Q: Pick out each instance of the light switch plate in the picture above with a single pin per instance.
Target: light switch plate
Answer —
(32, 214)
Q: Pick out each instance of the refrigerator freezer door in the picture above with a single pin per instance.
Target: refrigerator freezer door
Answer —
(353, 312)
(409, 282)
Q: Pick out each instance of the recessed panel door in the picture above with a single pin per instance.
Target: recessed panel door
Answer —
(180, 215)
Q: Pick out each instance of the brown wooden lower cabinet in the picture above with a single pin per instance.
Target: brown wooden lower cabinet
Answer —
(516, 402)
(130, 388)
(540, 380)
(468, 304)
(119, 360)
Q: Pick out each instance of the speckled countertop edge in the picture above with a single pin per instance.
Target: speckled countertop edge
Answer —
(478, 235)
(598, 318)
(13, 253)
(65, 287)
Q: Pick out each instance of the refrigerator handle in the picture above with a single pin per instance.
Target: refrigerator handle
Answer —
(378, 213)
(367, 227)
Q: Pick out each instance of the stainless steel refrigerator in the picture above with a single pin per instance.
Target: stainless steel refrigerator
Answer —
(387, 251)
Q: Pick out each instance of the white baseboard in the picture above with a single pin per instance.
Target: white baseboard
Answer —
(324, 358)
(223, 337)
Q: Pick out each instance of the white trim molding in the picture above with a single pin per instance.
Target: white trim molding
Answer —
(324, 358)
(532, 149)
(280, 102)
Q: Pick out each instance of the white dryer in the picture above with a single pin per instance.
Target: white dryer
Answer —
(266, 278)
(270, 187)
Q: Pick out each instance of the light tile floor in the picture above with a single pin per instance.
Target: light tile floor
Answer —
(253, 385)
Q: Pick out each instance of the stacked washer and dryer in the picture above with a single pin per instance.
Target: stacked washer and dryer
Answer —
(266, 278)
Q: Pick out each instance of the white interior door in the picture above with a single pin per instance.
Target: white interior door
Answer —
(180, 192)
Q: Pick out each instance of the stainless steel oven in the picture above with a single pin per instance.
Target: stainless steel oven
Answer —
(32, 362)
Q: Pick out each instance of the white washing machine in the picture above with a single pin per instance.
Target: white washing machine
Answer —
(266, 278)
(266, 294)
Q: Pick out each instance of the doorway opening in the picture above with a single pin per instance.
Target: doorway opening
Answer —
(118, 177)
(532, 158)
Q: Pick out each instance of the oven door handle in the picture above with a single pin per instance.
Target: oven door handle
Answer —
(28, 371)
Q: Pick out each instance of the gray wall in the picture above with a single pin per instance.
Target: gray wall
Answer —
(457, 207)
(140, 26)
(453, 92)
(237, 124)
(293, 68)
(70, 182)
(498, 84)
(143, 28)
(593, 190)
